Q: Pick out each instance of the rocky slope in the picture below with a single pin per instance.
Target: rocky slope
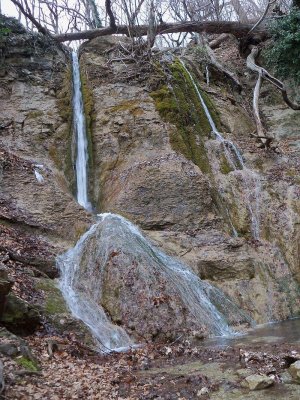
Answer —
(152, 159)
(39, 216)
(167, 173)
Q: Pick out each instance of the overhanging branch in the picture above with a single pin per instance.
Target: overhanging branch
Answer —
(237, 29)
(27, 13)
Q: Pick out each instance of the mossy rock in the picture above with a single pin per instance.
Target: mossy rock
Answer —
(61, 150)
(225, 167)
(132, 106)
(27, 364)
(180, 105)
(54, 302)
(11, 24)
(90, 117)
(57, 313)
(19, 316)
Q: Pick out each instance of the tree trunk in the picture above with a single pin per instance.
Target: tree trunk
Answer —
(235, 28)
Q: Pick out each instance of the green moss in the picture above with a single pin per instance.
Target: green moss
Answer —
(88, 103)
(181, 106)
(225, 167)
(129, 105)
(27, 364)
(34, 114)
(54, 302)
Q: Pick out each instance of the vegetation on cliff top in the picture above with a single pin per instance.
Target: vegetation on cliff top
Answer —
(284, 52)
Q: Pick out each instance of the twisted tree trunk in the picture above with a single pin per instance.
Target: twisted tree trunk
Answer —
(264, 74)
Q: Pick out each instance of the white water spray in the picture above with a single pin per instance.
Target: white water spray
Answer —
(81, 140)
(83, 269)
(250, 178)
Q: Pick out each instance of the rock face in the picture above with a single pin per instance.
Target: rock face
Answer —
(19, 316)
(16, 314)
(179, 184)
(36, 205)
(152, 159)
(39, 216)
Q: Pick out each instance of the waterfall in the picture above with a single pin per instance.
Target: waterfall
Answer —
(85, 269)
(82, 275)
(250, 179)
(81, 139)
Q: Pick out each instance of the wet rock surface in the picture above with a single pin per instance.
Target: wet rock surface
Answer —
(39, 216)
(35, 130)
(259, 382)
(151, 295)
(294, 370)
(138, 174)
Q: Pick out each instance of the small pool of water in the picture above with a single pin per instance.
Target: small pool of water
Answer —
(276, 332)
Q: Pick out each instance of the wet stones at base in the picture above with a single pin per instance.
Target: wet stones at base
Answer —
(294, 370)
(258, 382)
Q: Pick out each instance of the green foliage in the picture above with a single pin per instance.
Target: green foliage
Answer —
(10, 25)
(4, 31)
(284, 52)
(29, 365)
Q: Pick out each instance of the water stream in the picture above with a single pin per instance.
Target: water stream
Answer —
(81, 139)
(83, 269)
(251, 180)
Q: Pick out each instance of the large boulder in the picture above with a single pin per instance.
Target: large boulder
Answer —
(19, 316)
(294, 370)
(151, 295)
(258, 382)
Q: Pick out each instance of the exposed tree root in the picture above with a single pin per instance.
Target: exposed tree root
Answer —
(214, 44)
(264, 74)
(216, 64)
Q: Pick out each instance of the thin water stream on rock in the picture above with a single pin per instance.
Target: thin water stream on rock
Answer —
(251, 180)
(83, 267)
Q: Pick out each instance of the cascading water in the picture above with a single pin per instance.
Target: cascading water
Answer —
(81, 140)
(83, 268)
(250, 179)
(82, 275)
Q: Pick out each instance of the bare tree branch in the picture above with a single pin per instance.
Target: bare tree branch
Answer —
(220, 39)
(28, 14)
(112, 20)
(270, 2)
(251, 64)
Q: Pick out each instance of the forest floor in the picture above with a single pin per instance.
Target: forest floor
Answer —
(176, 371)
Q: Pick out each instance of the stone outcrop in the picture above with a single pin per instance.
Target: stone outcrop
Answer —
(38, 214)
(294, 370)
(188, 201)
(258, 382)
(15, 314)
(151, 295)
(152, 159)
